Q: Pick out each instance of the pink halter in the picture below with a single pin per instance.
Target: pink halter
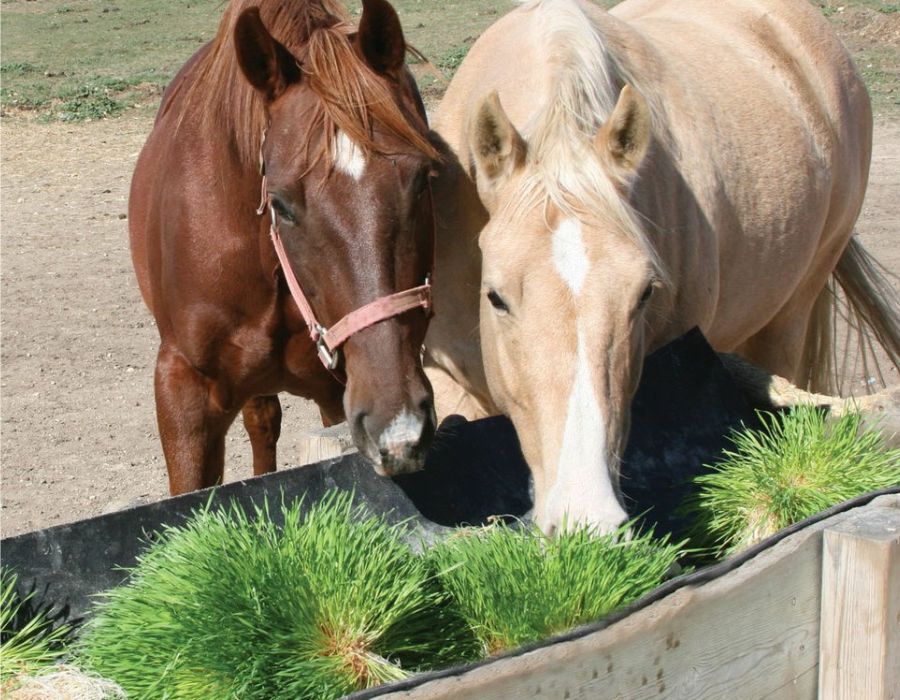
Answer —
(329, 340)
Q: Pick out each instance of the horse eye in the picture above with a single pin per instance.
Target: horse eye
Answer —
(281, 209)
(497, 302)
(420, 184)
(645, 297)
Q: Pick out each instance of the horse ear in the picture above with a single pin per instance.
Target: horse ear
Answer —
(380, 37)
(267, 65)
(498, 148)
(625, 136)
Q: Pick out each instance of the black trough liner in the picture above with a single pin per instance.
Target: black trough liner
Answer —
(685, 406)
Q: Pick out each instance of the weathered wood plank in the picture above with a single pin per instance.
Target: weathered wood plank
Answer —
(860, 632)
(325, 443)
(753, 633)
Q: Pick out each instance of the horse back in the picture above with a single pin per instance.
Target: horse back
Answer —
(145, 182)
(787, 53)
(773, 129)
(194, 234)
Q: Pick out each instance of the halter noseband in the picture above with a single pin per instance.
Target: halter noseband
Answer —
(329, 340)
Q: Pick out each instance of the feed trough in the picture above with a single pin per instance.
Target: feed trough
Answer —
(812, 612)
(475, 473)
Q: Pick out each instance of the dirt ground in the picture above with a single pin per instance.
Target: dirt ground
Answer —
(78, 346)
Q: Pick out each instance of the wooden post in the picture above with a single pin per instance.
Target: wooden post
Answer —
(859, 642)
(325, 443)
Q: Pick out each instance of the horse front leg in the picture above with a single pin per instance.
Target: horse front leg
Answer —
(262, 420)
(192, 422)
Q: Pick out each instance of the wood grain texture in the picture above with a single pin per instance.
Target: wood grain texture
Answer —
(860, 632)
(753, 633)
(325, 443)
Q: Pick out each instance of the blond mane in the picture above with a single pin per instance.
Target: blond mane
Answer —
(586, 79)
(352, 97)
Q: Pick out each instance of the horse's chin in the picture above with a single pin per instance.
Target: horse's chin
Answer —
(599, 521)
(394, 459)
(391, 466)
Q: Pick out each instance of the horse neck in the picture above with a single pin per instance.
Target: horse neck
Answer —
(453, 337)
(673, 219)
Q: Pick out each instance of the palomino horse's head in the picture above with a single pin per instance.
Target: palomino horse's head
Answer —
(347, 164)
(567, 284)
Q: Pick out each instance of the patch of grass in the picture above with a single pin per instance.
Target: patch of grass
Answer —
(880, 69)
(89, 102)
(796, 465)
(19, 68)
(79, 43)
(100, 97)
(452, 59)
(78, 40)
(334, 601)
(31, 100)
(865, 32)
(28, 642)
(515, 587)
(229, 607)
(75, 40)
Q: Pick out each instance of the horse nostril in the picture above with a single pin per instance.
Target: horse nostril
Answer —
(396, 452)
(360, 430)
(359, 423)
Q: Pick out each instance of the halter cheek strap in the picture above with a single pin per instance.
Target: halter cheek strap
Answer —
(329, 340)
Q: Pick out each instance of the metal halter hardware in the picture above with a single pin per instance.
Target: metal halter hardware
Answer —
(329, 340)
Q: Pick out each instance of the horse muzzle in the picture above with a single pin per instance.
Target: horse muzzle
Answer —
(399, 445)
(602, 514)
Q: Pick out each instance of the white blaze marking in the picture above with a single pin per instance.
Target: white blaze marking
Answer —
(348, 157)
(569, 254)
(404, 429)
(583, 488)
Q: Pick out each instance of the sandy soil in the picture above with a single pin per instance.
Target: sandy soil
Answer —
(78, 347)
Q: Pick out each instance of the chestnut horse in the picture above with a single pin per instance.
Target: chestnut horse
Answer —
(630, 175)
(334, 118)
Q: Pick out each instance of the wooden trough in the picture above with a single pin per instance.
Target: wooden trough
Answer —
(815, 609)
(812, 612)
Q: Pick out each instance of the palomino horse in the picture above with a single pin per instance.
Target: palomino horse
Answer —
(669, 164)
(334, 119)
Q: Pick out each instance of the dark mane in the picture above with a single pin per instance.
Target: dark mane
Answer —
(352, 97)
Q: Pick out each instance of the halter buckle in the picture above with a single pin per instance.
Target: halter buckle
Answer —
(330, 358)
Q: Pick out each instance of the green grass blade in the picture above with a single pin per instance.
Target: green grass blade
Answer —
(795, 466)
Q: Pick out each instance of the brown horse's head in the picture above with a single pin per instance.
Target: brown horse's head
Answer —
(347, 162)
